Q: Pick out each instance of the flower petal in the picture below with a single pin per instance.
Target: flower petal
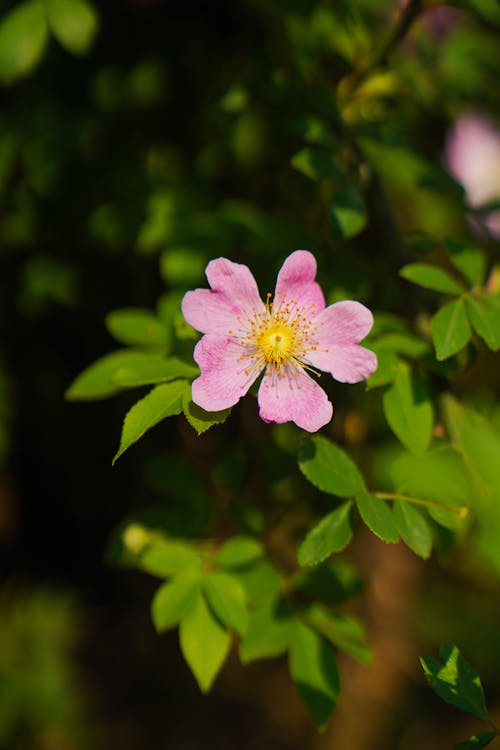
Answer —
(347, 363)
(292, 396)
(296, 285)
(225, 376)
(346, 322)
(209, 312)
(234, 281)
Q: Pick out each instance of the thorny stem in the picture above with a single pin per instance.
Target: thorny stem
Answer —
(394, 37)
(460, 510)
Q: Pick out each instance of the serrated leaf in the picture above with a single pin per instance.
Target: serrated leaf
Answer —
(227, 599)
(469, 259)
(166, 558)
(148, 370)
(172, 600)
(455, 681)
(477, 741)
(199, 419)
(484, 314)
(238, 551)
(344, 631)
(268, 632)
(204, 643)
(378, 516)
(450, 329)
(332, 534)
(23, 37)
(315, 164)
(347, 212)
(431, 277)
(137, 327)
(314, 670)
(99, 379)
(329, 468)
(408, 410)
(163, 401)
(413, 528)
(74, 24)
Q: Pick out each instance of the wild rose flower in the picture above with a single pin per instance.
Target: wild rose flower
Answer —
(473, 157)
(288, 338)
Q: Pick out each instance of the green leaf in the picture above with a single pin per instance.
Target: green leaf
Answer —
(329, 468)
(413, 528)
(332, 534)
(455, 681)
(23, 37)
(342, 630)
(315, 164)
(227, 598)
(314, 670)
(204, 643)
(238, 551)
(136, 327)
(469, 259)
(147, 370)
(402, 343)
(477, 742)
(74, 24)
(484, 314)
(163, 401)
(387, 364)
(347, 212)
(408, 410)
(268, 632)
(431, 277)
(450, 329)
(260, 581)
(378, 516)
(172, 600)
(164, 558)
(199, 419)
(99, 379)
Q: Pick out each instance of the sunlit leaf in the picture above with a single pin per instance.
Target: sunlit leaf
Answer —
(227, 598)
(163, 401)
(99, 380)
(408, 410)
(23, 37)
(204, 642)
(74, 23)
(378, 516)
(329, 468)
(199, 419)
(136, 327)
(431, 277)
(173, 599)
(455, 681)
(450, 329)
(238, 551)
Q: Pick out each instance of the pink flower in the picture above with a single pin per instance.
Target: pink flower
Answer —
(286, 338)
(473, 158)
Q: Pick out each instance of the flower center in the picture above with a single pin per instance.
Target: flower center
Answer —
(276, 343)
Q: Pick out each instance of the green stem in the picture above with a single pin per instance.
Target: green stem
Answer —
(460, 510)
(394, 37)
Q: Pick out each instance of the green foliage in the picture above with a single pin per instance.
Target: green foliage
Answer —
(408, 410)
(23, 37)
(314, 669)
(484, 315)
(413, 528)
(199, 419)
(455, 681)
(101, 379)
(378, 516)
(137, 328)
(238, 551)
(329, 468)
(173, 599)
(450, 329)
(469, 259)
(431, 277)
(74, 24)
(163, 401)
(347, 212)
(227, 599)
(332, 534)
(204, 642)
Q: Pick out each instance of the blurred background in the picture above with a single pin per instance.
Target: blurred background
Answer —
(139, 139)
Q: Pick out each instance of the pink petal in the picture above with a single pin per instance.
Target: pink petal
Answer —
(292, 396)
(347, 363)
(225, 374)
(209, 312)
(235, 283)
(296, 285)
(344, 322)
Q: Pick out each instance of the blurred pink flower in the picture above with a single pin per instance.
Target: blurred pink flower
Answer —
(473, 157)
(286, 338)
